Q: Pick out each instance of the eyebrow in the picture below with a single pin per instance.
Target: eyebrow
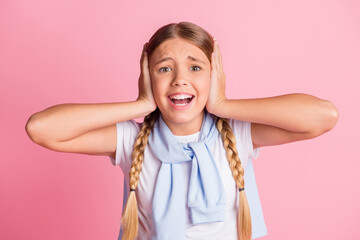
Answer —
(169, 58)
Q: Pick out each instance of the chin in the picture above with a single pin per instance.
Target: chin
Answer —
(184, 117)
(179, 118)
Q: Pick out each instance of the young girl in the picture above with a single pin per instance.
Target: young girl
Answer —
(190, 161)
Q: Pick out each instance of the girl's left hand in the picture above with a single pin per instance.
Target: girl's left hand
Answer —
(217, 81)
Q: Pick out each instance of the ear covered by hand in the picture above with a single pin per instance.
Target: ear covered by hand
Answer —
(217, 81)
(145, 89)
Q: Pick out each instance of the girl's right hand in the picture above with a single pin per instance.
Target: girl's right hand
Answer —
(145, 90)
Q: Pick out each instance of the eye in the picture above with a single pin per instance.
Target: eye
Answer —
(164, 69)
(197, 67)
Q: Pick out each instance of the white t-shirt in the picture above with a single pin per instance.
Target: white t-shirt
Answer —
(126, 135)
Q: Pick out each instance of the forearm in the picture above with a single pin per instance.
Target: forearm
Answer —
(294, 112)
(67, 121)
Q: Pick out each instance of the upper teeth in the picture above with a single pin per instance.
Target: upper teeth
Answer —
(181, 96)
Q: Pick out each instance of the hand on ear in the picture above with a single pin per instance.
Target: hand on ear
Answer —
(145, 90)
(217, 80)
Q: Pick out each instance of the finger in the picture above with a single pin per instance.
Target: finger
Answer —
(213, 61)
(146, 53)
(215, 71)
(213, 55)
(142, 55)
(144, 50)
(145, 63)
(217, 56)
(218, 53)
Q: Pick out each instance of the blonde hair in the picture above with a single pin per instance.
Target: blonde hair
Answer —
(204, 41)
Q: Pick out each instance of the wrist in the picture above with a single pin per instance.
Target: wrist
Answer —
(218, 108)
(145, 106)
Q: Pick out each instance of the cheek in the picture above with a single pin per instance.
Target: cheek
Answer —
(157, 88)
(205, 84)
(203, 87)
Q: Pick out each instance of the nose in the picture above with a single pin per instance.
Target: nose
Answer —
(179, 79)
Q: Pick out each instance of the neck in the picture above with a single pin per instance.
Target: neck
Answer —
(185, 128)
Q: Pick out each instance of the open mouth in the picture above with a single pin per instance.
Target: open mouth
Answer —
(181, 99)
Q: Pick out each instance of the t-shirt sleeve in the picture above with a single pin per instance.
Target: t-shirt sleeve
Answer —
(242, 132)
(126, 135)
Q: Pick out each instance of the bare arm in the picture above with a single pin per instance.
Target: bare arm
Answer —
(60, 127)
(89, 128)
(276, 120)
(282, 119)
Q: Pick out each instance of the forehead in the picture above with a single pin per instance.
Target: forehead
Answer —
(179, 49)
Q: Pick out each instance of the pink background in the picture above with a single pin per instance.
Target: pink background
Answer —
(54, 52)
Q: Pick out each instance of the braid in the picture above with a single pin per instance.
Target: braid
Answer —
(229, 141)
(130, 218)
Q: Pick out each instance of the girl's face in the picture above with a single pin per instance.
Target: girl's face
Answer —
(180, 76)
